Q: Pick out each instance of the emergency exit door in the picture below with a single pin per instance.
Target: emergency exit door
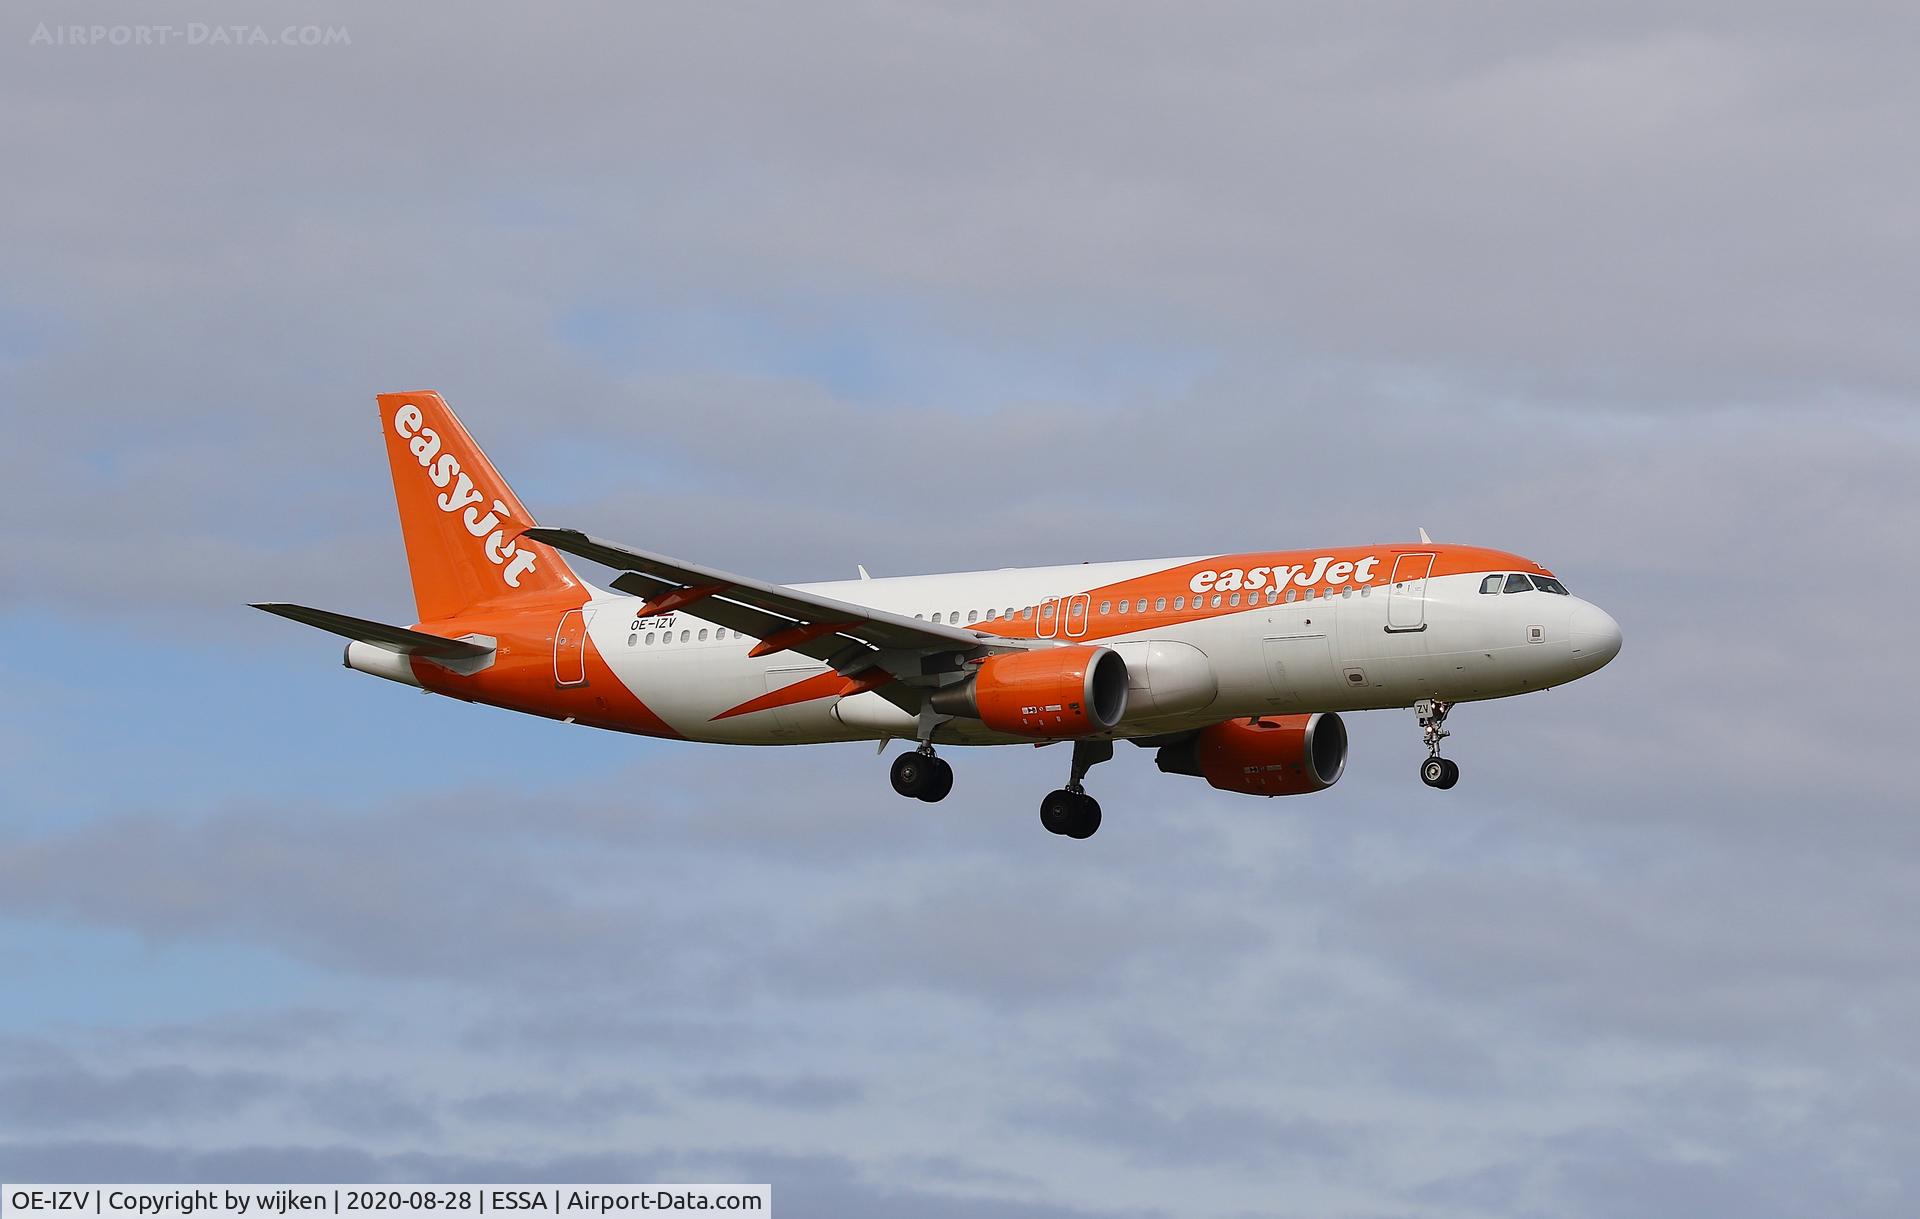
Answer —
(570, 650)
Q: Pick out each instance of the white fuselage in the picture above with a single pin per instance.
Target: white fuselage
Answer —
(1321, 653)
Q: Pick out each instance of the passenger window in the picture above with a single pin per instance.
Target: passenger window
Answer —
(973, 616)
(1141, 607)
(1291, 594)
(1106, 607)
(1491, 584)
(1273, 595)
(649, 638)
(1159, 605)
(936, 617)
(684, 635)
(1123, 607)
(1234, 600)
(703, 635)
(1518, 583)
(632, 639)
(1046, 611)
(1027, 612)
(1179, 603)
(1216, 600)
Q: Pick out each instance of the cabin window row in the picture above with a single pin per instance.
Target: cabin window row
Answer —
(1107, 607)
(689, 635)
(1142, 605)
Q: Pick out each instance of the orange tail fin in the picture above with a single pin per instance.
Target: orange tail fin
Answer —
(460, 520)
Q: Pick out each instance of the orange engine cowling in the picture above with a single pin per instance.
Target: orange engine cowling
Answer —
(1276, 755)
(1050, 693)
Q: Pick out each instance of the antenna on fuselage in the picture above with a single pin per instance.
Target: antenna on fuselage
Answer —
(862, 568)
(1424, 539)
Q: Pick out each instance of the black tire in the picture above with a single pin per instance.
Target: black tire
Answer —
(1057, 811)
(1433, 772)
(911, 773)
(1086, 818)
(1452, 776)
(939, 781)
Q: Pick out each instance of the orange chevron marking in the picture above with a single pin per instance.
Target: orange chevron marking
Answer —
(807, 689)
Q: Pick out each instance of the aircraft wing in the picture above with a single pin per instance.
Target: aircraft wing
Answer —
(844, 635)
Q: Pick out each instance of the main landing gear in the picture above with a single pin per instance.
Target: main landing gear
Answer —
(1436, 771)
(922, 776)
(1069, 810)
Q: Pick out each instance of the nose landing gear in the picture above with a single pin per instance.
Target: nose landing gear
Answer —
(922, 776)
(1436, 771)
(1069, 810)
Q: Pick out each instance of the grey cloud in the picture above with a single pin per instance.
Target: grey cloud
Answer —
(804, 1092)
(590, 1106)
(70, 1096)
(373, 1109)
(280, 1031)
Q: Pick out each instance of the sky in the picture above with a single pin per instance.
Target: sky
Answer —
(1627, 288)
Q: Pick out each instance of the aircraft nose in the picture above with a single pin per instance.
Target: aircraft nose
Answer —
(1595, 635)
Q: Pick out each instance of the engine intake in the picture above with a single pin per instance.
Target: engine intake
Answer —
(1050, 693)
(1275, 755)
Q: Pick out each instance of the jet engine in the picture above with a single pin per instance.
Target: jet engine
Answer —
(1274, 755)
(1048, 694)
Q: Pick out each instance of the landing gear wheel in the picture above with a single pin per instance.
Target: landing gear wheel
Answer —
(1069, 813)
(1439, 772)
(939, 781)
(1056, 811)
(1086, 819)
(913, 773)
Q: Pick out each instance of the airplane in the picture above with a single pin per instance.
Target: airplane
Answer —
(1233, 668)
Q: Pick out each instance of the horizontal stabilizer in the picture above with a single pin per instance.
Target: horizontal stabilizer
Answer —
(393, 638)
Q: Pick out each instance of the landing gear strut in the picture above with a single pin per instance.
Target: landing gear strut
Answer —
(1436, 771)
(922, 776)
(1070, 811)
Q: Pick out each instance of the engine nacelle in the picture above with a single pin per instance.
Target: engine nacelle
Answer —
(1050, 693)
(1276, 755)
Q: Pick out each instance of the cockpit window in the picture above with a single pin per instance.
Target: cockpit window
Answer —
(1547, 584)
(1518, 583)
(1491, 584)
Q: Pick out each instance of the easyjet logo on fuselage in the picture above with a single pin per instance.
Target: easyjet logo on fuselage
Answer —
(1302, 575)
(463, 497)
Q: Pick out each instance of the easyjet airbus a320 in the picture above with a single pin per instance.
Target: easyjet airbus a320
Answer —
(1233, 667)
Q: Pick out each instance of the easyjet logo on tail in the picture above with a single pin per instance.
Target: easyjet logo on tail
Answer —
(1234, 579)
(463, 497)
